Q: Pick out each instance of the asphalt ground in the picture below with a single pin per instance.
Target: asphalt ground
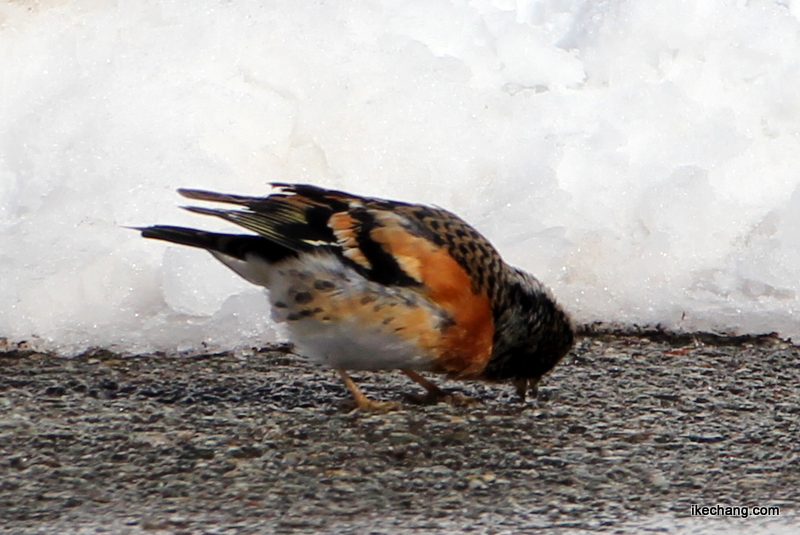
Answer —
(627, 434)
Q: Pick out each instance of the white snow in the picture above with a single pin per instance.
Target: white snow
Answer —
(641, 158)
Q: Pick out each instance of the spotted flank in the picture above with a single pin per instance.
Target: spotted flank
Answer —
(371, 284)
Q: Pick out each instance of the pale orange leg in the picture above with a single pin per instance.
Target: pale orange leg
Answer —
(435, 394)
(364, 403)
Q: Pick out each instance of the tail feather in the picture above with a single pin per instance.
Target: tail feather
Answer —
(204, 195)
(238, 246)
(287, 218)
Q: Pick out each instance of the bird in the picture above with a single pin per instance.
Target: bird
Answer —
(372, 284)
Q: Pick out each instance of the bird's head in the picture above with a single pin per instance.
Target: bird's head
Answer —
(533, 334)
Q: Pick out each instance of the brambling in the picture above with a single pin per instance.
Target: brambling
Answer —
(373, 284)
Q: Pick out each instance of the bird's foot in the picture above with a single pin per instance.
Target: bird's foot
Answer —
(368, 405)
(379, 406)
(362, 402)
(434, 393)
(432, 398)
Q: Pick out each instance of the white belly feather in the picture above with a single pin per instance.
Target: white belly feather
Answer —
(337, 317)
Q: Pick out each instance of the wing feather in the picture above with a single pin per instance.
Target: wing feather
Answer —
(366, 232)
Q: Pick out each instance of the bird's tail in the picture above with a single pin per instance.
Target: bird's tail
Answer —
(249, 256)
(294, 220)
(238, 246)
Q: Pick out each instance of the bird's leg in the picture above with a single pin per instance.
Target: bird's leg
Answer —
(521, 384)
(533, 388)
(525, 385)
(435, 394)
(364, 403)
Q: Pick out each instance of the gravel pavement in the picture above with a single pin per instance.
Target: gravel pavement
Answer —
(625, 436)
